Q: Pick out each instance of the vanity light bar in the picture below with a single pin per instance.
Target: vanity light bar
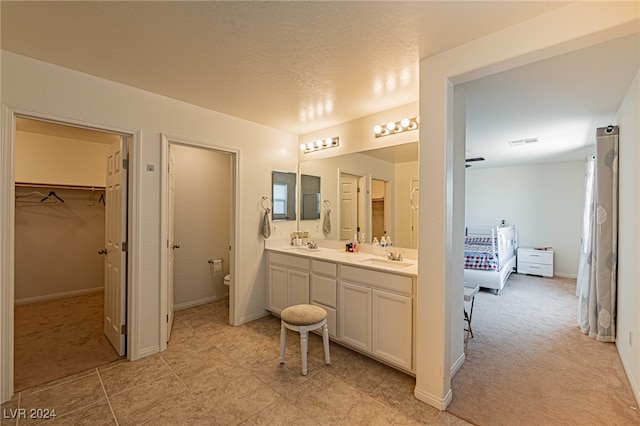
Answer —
(320, 144)
(394, 127)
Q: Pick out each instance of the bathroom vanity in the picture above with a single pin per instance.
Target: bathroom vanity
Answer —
(370, 300)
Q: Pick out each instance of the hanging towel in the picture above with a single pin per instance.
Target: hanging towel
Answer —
(266, 224)
(326, 224)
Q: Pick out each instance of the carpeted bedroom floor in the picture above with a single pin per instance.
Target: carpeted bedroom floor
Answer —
(528, 363)
(56, 338)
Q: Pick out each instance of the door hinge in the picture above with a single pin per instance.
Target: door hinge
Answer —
(167, 317)
(123, 329)
(125, 246)
(125, 163)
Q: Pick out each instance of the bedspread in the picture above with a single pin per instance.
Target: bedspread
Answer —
(480, 256)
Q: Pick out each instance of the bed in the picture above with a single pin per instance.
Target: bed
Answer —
(489, 256)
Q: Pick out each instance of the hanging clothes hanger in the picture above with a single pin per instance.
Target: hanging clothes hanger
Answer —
(30, 194)
(52, 194)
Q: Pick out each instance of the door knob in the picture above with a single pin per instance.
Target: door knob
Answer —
(176, 246)
(102, 251)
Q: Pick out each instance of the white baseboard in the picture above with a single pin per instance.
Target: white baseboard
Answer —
(151, 350)
(197, 302)
(55, 296)
(439, 403)
(635, 389)
(254, 316)
(456, 365)
(563, 275)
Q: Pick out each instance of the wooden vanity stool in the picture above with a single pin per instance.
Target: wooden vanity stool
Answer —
(303, 319)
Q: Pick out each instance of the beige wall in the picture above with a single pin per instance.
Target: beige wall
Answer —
(544, 201)
(56, 160)
(56, 245)
(202, 224)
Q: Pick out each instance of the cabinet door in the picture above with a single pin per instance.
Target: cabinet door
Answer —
(298, 287)
(392, 331)
(355, 315)
(277, 289)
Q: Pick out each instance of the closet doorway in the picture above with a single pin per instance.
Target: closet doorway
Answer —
(379, 209)
(70, 264)
(199, 229)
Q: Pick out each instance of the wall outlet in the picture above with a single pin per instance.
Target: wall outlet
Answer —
(631, 338)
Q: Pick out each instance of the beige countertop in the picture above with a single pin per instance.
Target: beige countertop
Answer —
(361, 260)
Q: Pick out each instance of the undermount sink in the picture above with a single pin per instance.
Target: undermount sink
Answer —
(386, 263)
(301, 248)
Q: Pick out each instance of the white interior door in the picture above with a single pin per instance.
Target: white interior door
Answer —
(415, 203)
(348, 206)
(115, 294)
(171, 244)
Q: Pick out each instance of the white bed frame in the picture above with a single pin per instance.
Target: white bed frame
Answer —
(507, 238)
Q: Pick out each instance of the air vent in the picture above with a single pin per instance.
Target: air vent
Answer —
(521, 142)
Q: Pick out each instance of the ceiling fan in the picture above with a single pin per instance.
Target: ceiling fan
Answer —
(471, 160)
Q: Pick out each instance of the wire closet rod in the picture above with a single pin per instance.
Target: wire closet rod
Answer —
(45, 185)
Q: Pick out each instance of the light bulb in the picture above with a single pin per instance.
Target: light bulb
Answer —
(328, 142)
(391, 125)
(303, 146)
(377, 129)
(319, 143)
(405, 122)
(310, 146)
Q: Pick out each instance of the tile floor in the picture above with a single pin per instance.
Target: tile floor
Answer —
(215, 374)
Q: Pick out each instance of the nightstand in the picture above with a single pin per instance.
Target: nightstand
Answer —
(535, 262)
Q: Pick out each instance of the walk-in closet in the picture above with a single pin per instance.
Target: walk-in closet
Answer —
(60, 205)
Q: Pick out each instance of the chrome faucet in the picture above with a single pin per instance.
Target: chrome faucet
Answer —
(394, 256)
(312, 245)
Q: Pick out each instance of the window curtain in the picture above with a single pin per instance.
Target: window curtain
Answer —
(597, 273)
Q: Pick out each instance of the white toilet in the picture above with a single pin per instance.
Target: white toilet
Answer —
(227, 280)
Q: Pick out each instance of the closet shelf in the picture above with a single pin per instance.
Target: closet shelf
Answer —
(46, 185)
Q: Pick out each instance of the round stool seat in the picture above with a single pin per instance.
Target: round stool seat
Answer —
(301, 315)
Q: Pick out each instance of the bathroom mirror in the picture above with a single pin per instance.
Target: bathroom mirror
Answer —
(385, 178)
(283, 194)
(309, 197)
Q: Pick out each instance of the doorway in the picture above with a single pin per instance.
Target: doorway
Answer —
(198, 225)
(379, 208)
(351, 207)
(70, 277)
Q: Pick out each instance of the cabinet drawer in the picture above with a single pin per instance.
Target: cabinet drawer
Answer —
(324, 290)
(536, 256)
(395, 282)
(295, 262)
(535, 269)
(324, 268)
(332, 323)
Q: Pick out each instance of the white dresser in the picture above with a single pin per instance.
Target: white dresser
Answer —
(535, 262)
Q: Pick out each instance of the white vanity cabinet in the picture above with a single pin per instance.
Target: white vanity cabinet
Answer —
(287, 281)
(376, 314)
(324, 291)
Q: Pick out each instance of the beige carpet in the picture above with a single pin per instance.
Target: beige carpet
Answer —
(528, 363)
(57, 338)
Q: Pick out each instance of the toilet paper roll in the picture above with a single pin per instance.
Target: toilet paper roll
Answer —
(217, 265)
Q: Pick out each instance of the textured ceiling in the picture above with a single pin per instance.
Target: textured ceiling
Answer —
(303, 66)
(296, 66)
